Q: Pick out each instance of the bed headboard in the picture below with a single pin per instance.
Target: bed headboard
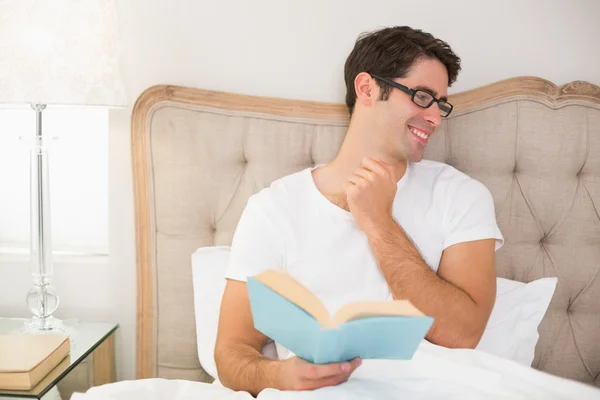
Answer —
(198, 155)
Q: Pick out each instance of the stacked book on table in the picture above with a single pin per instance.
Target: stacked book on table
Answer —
(26, 359)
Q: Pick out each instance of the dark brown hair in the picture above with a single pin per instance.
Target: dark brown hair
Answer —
(390, 52)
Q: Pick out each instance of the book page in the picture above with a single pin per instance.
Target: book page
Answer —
(286, 286)
(365, 309)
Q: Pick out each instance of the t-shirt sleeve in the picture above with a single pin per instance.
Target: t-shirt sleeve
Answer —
(471, 215)
(255, 246)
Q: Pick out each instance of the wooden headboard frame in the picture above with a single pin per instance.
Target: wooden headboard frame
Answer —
(548, 93)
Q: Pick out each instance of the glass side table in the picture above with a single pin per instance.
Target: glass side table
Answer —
(91, 343)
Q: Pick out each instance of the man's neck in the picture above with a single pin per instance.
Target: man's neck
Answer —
(345, 164)
(331, 178)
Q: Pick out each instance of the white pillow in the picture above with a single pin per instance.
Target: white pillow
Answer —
(209, 265)
(208, 275)
(511, 332)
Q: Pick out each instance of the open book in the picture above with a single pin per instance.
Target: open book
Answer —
(291, 315)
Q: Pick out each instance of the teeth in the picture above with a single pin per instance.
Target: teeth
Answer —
(418, 133)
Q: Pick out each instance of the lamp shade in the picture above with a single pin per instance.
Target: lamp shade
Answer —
(60, 52)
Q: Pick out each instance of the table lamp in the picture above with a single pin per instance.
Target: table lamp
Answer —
(55, 53)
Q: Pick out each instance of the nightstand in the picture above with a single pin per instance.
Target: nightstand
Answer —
(91, 362)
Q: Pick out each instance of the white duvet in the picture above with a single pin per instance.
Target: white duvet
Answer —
(434, 372)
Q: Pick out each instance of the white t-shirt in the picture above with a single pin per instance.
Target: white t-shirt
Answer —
(291, 225)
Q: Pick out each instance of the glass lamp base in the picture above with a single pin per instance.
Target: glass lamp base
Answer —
(48, 325)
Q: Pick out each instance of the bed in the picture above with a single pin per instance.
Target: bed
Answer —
(198, 155)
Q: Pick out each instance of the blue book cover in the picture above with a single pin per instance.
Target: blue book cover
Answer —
(287, 313)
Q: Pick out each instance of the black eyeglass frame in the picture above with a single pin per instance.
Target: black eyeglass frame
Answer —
(413, 92)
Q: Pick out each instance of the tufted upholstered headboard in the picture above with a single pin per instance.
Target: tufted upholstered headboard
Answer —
(198, 155)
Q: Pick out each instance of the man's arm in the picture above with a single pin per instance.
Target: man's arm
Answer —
(460, 298)
(241, 365)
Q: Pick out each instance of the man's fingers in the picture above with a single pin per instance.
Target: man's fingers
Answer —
(365, 173)
(321, 371)
(356, 179)
(355, 363)
(374, 166)
(344, 370)
(329, 381)
(316, 372)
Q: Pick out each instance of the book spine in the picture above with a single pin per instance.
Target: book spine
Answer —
(328, 348)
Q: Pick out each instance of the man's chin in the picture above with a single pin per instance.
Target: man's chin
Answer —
(415, 157)
(410, 153)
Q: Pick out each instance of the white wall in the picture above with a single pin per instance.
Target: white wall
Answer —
(297, 48)
(293, 49)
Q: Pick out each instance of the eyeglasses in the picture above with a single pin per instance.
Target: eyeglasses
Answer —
(420, 97)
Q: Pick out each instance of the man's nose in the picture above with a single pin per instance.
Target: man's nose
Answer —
(432, 115)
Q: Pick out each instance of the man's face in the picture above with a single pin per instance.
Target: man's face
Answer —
(403, 126)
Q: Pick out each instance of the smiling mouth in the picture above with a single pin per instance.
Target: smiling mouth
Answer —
(421, 136)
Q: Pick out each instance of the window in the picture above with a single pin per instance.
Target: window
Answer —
(78, 172)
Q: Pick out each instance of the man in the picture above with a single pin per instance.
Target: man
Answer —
(376, 223)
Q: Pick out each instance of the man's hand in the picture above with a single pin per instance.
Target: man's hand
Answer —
(370, 193)
(298, 374)
(241, 365)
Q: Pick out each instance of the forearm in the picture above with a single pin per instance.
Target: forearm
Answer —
(458, 321)
(243, 368)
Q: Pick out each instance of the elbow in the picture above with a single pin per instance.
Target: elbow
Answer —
(220, 356)
(458, 343)
(466, 341)
(468, 337)
(465, 337)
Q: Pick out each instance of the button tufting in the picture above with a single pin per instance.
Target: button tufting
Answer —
(312, 158)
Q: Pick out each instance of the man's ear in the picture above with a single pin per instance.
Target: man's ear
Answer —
(367, 90)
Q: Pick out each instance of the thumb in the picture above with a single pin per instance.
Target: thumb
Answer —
(389, 168)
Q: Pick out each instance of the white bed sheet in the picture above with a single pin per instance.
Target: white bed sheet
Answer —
(434, 372)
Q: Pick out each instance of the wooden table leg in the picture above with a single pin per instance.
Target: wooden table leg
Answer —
(104, 362)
